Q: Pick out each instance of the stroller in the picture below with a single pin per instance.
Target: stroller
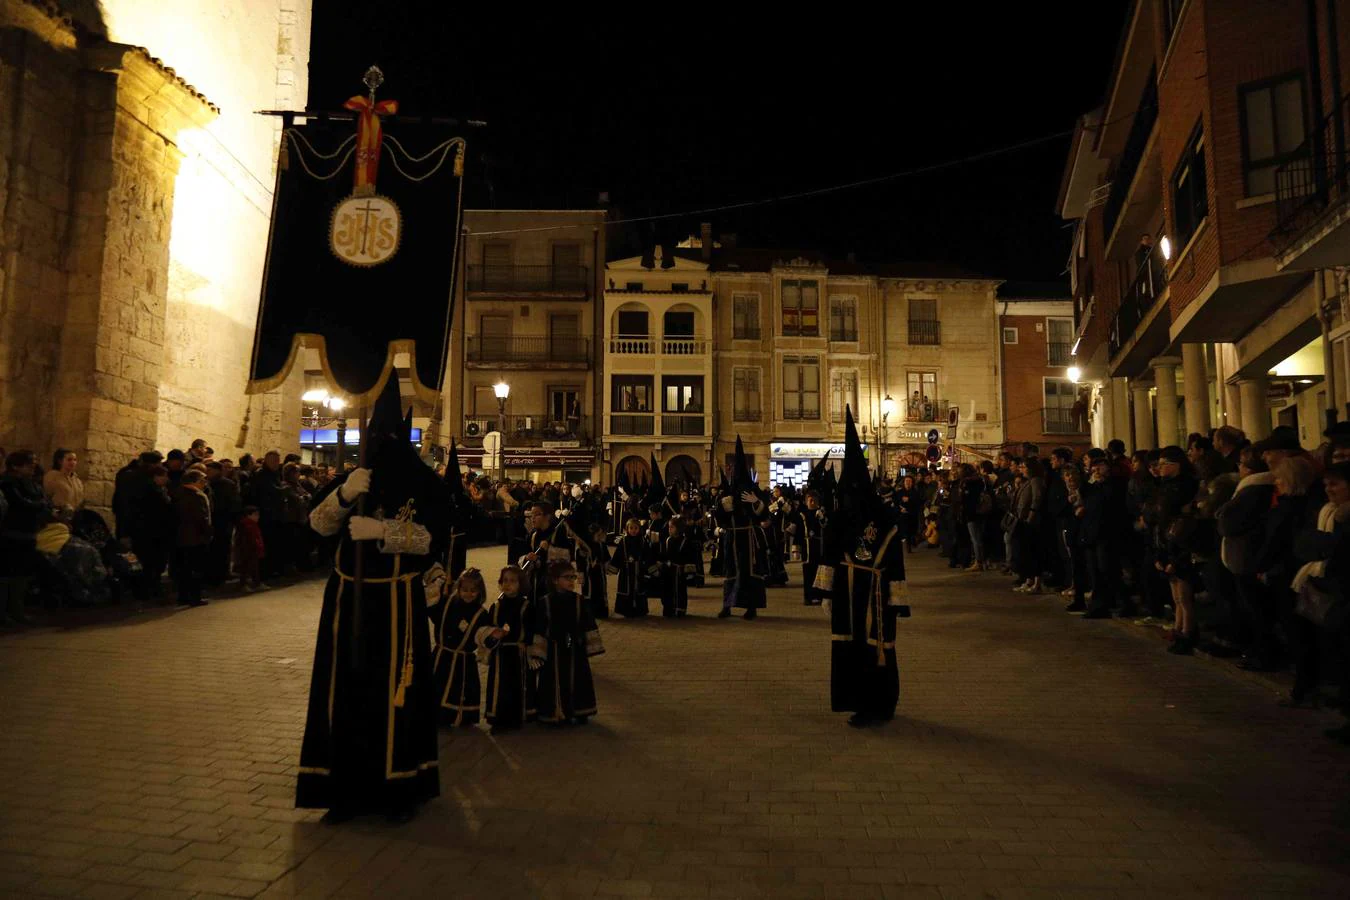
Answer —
(121, 570)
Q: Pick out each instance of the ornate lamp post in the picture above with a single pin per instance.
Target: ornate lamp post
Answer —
(503, 391)
(320, 398)
(887, 407)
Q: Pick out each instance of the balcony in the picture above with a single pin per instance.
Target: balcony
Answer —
(926, 410)
(842, 335)
(1059, 353)
(632, 423)
(528, 352)
(561, 281)
(925, 331)
(1312, 218)
(528, 430)
(745, 333)
(1127, 167)
(683, 424)
(746, 415)
(645, 345)
(1149, 283)
(1057, 420)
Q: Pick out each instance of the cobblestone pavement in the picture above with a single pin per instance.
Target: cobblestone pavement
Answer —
(1036, 755)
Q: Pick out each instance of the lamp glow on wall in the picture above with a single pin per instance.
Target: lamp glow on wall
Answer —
(320, 397)
(887, 407)
(1074, 374)
(1166, 246)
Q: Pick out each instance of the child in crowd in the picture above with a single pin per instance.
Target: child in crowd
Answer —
(565, 637)
(677, 564)
(249, 550)
(629, 564)
(597, 561)
(930, 534)
(506, 637)
(456, 623)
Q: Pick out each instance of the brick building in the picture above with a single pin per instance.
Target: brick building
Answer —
(135, 186)
(1043, 404)
(1185, 318)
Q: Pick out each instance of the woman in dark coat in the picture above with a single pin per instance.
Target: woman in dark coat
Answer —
(26, 511)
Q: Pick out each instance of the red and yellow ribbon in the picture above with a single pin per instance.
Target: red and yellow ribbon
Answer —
(369, 136)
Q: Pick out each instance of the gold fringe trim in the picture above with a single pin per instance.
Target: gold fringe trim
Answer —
(423, 393)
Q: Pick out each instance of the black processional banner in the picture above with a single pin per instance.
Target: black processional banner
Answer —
(362, 251)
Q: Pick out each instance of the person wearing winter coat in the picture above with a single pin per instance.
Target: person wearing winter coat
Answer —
(1101, 528)
(1172, 519)
(1028, 508)
(194, 533)
(1320, 588)
(1241, 526)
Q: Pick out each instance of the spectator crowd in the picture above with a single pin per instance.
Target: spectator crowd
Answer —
(203, 521)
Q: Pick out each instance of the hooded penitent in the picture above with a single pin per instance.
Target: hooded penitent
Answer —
(656, 489)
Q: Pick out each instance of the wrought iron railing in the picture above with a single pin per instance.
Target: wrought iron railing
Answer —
(632, 423)
(1315, 178)
(746, 415)
(683, 424)
(745, 333)
(541, 348)
(1148, 283)
(843, 334)
(1060, 353)
(1058, 420)
(528, 279)
(925, 331)
(526, 429)
(925, 410)
(1145, 117)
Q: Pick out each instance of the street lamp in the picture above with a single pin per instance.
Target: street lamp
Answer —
(887, 407)
(320, 398)
(503, 391)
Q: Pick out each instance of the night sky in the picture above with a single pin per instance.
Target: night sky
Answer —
(686, 107)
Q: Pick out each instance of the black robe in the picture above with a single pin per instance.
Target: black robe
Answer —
(629, 563)
(677, 570)
(459, 692)
(864, 677)
(745, 560)
(509, 700)
(370, 728)
(811, 534)
(565, 637)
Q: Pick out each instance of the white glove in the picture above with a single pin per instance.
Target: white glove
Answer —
(357, 483)
(750, 497)
(365, 528)
(564, 513)
(535, 663)
(728, 503)
(576, 492)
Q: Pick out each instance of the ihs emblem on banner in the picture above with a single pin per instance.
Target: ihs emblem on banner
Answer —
(366, 227)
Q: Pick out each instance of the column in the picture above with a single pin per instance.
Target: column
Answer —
(1143, 417)
(1165, 377)
(1195, 376)
(1255, 414)
(1120, 393)
(1105, 425)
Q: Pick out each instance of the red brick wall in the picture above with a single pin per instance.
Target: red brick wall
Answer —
(1024, 367)
(1106, 286)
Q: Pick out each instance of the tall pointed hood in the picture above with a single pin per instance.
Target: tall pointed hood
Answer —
(857, 495)
(454, 479)
(656, 489)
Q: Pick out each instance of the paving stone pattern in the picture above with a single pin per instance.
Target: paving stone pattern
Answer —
(1036, 755)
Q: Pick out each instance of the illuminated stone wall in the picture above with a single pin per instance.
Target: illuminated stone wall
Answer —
(133, 222)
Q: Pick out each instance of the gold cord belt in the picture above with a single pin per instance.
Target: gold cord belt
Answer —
(395, 581)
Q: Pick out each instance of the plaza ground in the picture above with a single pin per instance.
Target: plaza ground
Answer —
(1035, 754)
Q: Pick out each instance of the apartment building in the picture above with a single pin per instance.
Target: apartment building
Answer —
(525, 359)
(1194, 304)
(1045, 404)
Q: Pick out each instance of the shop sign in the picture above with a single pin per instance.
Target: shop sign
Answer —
(807, 450)
(559, 458)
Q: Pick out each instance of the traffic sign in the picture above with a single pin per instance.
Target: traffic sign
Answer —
(953, 413)
(934, 453)
(933, 435)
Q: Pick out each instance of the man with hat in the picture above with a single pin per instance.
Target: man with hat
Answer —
(866, 583)
(1338, 436)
